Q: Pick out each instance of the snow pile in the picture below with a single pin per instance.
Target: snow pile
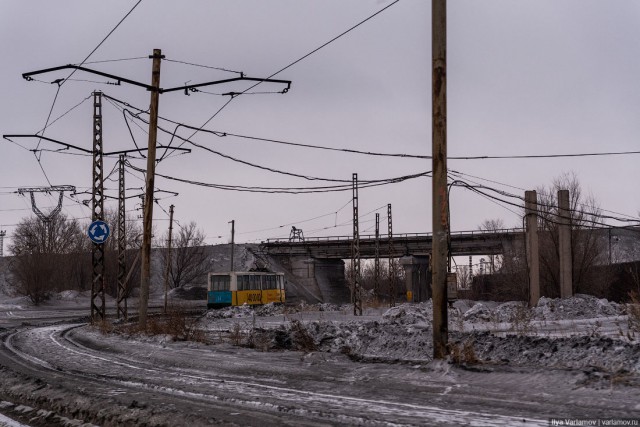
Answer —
(273, 309)
(577, 352)
(577, 307)
(244, 310)
(67, 295)
(372, 341)
(410, 314)
(404, 334)
(478, 312)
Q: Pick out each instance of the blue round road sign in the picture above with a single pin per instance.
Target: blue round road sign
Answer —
(98, 231)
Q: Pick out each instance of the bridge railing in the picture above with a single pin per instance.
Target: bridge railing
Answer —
(311, 240)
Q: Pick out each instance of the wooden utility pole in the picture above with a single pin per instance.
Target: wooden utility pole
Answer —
(145, 274)
(168, 266)
(233, 237)
(439, 181)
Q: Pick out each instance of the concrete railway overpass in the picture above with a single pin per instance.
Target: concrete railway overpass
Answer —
(415, 244)
(315, 266)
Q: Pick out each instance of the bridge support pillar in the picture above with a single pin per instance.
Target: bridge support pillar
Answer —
(417, 278)
(316, 280)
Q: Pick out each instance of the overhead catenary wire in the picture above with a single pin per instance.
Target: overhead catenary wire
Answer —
(202, 66)
(629, 217)
(61, 82)
(219, 133)
(291, 65)
(543, 217)
(224, 134)
(290, 190)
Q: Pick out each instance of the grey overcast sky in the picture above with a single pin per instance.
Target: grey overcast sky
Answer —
(524, 78)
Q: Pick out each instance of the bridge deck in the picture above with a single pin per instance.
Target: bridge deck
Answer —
(462, 243)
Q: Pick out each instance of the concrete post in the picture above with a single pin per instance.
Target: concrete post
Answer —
(410, 269)
(533, 262)
(564, 244)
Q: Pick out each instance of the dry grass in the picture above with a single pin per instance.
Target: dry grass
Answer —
(177, 323)
(633, 316)
(521, 321)
(463, 353)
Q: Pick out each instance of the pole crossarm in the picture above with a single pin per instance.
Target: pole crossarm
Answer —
(29, 76)
(84, 150)
(193, 87)
(187, 88)
(47, 190)
(55, 141)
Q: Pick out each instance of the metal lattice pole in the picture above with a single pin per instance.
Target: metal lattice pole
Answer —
(97, 203)
(168, 266)
(122, 243)
(356, 293)
(392, 265)
(2, 234)
(376, 265)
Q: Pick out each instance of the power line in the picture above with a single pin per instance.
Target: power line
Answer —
(62, 81)
(289, 190)
(297, 222)
(544, 156)
(223, 134)
(631, 217)
(203, 66)
(292, 64)
(114, 60)
(352, 151)
(103, 40)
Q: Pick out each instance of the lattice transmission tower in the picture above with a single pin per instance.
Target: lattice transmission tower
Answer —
(47, 219)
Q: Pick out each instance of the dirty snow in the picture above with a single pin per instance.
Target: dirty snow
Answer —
(581, 332)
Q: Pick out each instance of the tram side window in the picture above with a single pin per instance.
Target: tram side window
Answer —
(255, 282)
(270, 282)
(243, 283)
(220, 283)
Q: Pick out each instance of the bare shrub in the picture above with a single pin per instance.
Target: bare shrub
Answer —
(521, 321)
(105, 327)
(301, 338)
(236, 335)
(183, 327)
(189, 262)
(633, 313)
(462, 353)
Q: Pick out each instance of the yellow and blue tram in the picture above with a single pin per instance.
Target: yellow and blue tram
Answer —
(244, 287)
